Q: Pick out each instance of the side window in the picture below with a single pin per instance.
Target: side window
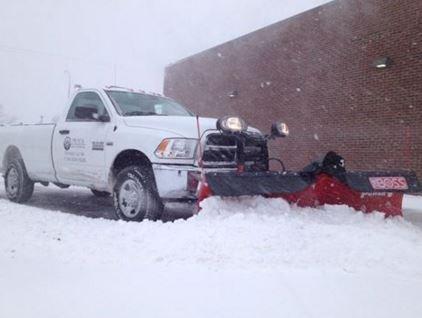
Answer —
(84, 106)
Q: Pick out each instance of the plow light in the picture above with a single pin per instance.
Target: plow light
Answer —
(231, 124)
(280, 129)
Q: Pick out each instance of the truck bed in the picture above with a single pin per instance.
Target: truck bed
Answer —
(34, 143)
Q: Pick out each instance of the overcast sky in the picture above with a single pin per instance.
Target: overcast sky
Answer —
(44, 43)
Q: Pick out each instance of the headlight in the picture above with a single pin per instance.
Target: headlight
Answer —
(231, 124)
(175, 148)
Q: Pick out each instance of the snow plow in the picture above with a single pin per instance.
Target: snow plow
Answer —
(322, 182)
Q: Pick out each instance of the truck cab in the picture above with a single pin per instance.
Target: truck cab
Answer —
(80, 138)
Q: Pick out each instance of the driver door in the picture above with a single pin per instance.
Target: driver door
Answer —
(80, 141)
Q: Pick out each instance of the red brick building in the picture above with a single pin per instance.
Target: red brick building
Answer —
(323, 73)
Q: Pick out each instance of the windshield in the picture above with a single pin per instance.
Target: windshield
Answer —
(137, 104)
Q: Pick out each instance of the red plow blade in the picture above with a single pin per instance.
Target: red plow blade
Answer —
(363, 191)
(328, 190)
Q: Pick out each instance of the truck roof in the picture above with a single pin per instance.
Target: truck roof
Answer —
(126, 89)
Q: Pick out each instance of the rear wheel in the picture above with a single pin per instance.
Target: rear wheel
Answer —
(19, 188)
(100, 194)
(135, 196)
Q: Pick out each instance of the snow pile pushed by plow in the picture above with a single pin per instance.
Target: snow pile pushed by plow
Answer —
(244, 257)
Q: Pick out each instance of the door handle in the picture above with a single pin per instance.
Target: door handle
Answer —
(64, 132)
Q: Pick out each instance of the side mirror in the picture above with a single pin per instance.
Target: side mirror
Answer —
(104, 118)
(279, 129)
(86, 112)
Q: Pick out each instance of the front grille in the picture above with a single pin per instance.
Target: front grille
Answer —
(221, 151)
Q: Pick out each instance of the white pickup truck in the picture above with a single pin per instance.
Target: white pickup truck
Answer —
(144, 149)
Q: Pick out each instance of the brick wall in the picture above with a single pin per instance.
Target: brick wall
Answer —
(314, 71)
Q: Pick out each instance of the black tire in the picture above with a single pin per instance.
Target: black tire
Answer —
(145, 196)
(100, 194)
(19, 188)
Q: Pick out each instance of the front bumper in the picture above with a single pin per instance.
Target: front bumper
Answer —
(172, 182)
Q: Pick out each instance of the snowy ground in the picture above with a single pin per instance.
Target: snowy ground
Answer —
(254, 258)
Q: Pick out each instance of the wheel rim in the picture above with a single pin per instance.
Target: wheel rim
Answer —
(12, 182)
(131, 199)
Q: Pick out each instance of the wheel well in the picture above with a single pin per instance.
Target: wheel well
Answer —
(12, 152)
(129, 158)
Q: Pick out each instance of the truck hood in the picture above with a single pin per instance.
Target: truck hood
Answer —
(177, 125)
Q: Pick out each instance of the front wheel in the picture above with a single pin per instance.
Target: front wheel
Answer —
(19, 188)
(135, 197)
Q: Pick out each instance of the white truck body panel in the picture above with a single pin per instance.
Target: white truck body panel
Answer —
(34, 144)
(185, 127)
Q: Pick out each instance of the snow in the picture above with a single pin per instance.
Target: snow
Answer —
(412, 202)
(412, 209)
(248, 257)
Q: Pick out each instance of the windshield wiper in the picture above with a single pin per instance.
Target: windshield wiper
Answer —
(140, 113)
